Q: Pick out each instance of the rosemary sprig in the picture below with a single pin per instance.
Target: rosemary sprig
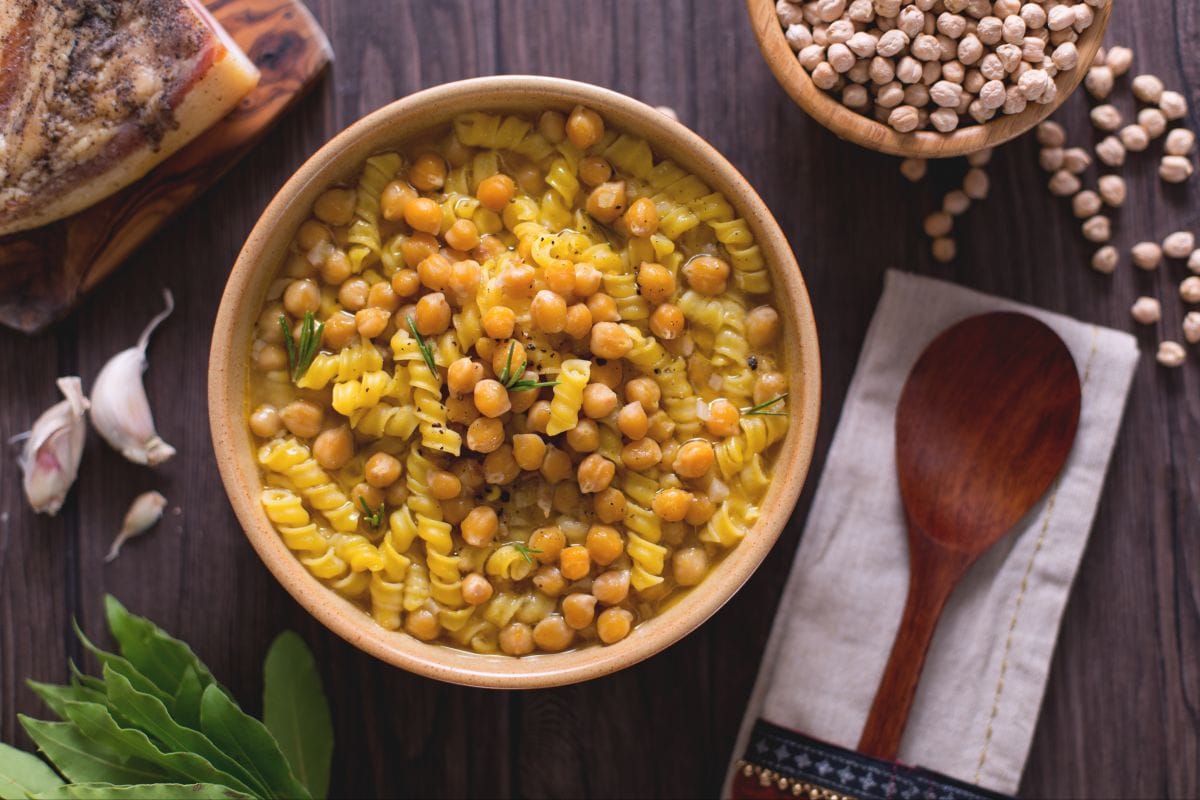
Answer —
(524, 549)
(300, 356)
(758, 409)
(374, 519)
(506, 373)
(426, 353)
(514, 382)
(525, 384)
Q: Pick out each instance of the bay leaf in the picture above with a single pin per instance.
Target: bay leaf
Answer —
(84, 761)
(23, 774)
(246, 739)
(144, 791)
(296, 712)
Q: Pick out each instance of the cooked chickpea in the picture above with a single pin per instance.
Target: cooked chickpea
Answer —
(666, 321)
(303, 418)
(594, 170)
(611, 587)
(271, 358)
(311, 234)
(723, 418)
(598, 400)
(434, 271)
(517, 280)
(548, 311)
(595, 473)
(655, 282)
(642, 218)
(462, 235)
(632, 420)
(433, 314)
(762, 326)
(353, 294)
(610, 340)
(578, 323)
(643, 390)
(556, 465)
(422, 624)
(500, 467)
(394, 198)
(516, 639)
(464, 278)
(707, 274)
(365, 493)
(339, 330)
(444, 485)
(509, 356)
(559, 278)
(333, 448)
(537, 419)
(491, 398)
(480, 526)
(418, 247)
(689, 565)
(584, 437)
(382, 296)
(397, 495)
(641, 454)
(604, 543)
(574, 562)
(566, 499)
(694, 459)
(423, 215)
(485, 434)
(495, 191)
(265, 422)
(587, 280)
(428, 172)
(371, 321)
(603, 308)
(549, 581)
(301, 297)
(614, 624)
(529, 450)
(461, 409)
(584, 127)
(455, 510)
(336, 267)
(550, 540)
(609, 373)
(700, 511)
(476, 589)
(463, 375)
(469, 473)
(499, 321)
(579, 610)
(335, 206)
(523, 399)
(672, 504)
(552, 634)
(769, 386)
(382, 470)
(607, 201)
(553, 126)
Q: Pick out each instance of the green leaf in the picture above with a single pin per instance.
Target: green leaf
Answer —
(121, 665)
(143, 791)
(84, 761)
(155, 653)
(56, 696)
(295, 711)
(248, 741)
(23, 774)
(147, 713)
(185, 706)
(97, 724)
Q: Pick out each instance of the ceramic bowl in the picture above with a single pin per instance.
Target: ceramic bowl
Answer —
(339, 160)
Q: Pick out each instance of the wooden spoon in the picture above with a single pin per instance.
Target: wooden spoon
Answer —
(985, 423)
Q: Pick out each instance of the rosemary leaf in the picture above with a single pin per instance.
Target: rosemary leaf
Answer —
(310, 345)
(291, 344)
(524, 385)
(758, 409)
(506, 373)
(524, 549)
(426, 353)
(374, 519)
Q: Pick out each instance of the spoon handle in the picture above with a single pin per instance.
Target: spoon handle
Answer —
(935, 572)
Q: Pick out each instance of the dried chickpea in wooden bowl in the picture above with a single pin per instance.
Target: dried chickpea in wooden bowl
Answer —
(552, 406)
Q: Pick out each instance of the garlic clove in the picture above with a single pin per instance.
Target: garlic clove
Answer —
(120, 410)
(144, 512)
(52, 449)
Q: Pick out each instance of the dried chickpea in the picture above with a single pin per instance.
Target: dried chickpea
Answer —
(610, 340)
(579, 610)
(552, 634)
(422, 624)
(556, 465)
(723, 418)
(598, 400)
(667, 321)
(444, 485)
(463, 375)
(550, 541)
(549, 311)
(480, 526)
(594, 170)
(611, 587)
(700, 511)
(428, 172)
(578, 323)
(303, 418)
(655, 282)
(495, 191)
(485, 434)
(334, 447)
(335, 206)
(762, 326)
(301, 296)
(642, 217)
(516, 639)
(433, 314)
(529, 450)
(499, 322)
(610, 506)
(603, 308)
(394, 198)
(491, 398)
(708, 275)
(265, 422)
(382, 470)
(549, 581)
(607, 201)
(595, 473)
(633, 421)
(500, 467)
(584, 127)
(689, 565)
(614, 624)
(423, 215)
(416, 248)
(694, 459)
(574, 562)
(584, 437)
(641, 454)
(476, 589)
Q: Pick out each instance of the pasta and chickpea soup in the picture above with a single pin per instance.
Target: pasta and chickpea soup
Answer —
(517, 388)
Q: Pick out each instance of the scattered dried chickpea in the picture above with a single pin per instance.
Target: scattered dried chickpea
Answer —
(1146, 311)
(1171, 354)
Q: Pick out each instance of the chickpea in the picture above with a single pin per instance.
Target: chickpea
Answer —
(397, 494)
(500, 467)
(762, 326)
(428, 172)
(553, 126)
(584, 127)
(353, 294)
(587, 280)
(689, 565)
(604, 543)
(394, 198)
(464, 278)
(614, 624)
(594, 170)
(311, 234)
(578, 322)
(495, 191)
(444, 485)
(335, 206)
(484, 435)
(433, 314)
(655, 282)
(769, 386)
(499, 321)
(641, 454)
(529, 450)
(707, 274)
(422, 624)
(333, 448)
(550, 540)
(579, 610)
(339, 330)
(480, 526)
(517, 280)
(666, 321)
(523, 400)
(455, 510)
(509, 356)
(610, 340)
(584, 437)
(538, 417)
(700, 511)
(603, 308)
(723, 418)
(476, 589)
(336, 267)
(423, 215)
(556, 465)
(491, 398)
(406, 282)
(265, 422)
(301, 297)
(461, 409)
(303, 418)
(549, 581)
(463, 375)
(559, 278)
(574, 562)
(548, 311)
(462, 235)
(371, 321)
(516, 639)
(489, 247)
(598, 400)
(435, 271)
(595, 473)
(552, 634)
(609, 373)
(642, 218)
(607, 201)
(566, 499)
(271, 358)
(632, 420)
(643, 390)
(469, 473)
(611, 587)
(382, 470)
(382, 296)
(418, 247)
(365, 493)
(694, 459)
(672, 504)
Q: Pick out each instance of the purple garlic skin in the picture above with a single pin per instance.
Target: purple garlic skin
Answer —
(53, 447)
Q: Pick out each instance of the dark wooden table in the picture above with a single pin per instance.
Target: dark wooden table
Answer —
(1122, 710)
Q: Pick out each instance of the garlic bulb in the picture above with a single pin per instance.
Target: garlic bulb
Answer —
(120, 410)
(146, 509)
(53, 447)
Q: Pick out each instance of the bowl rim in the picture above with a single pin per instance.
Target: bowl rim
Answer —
(863, 130)
(233, 446)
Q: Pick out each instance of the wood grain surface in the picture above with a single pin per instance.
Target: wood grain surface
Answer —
(1122, 709)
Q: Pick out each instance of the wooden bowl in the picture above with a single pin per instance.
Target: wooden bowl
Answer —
(340, 159)
(860, 129)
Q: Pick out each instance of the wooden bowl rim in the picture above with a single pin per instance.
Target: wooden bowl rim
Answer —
(863, 130)
(339, 158)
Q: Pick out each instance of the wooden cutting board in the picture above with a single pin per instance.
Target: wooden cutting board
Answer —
(46, 272)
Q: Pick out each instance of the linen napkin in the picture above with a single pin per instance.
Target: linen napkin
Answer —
(977, 703)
